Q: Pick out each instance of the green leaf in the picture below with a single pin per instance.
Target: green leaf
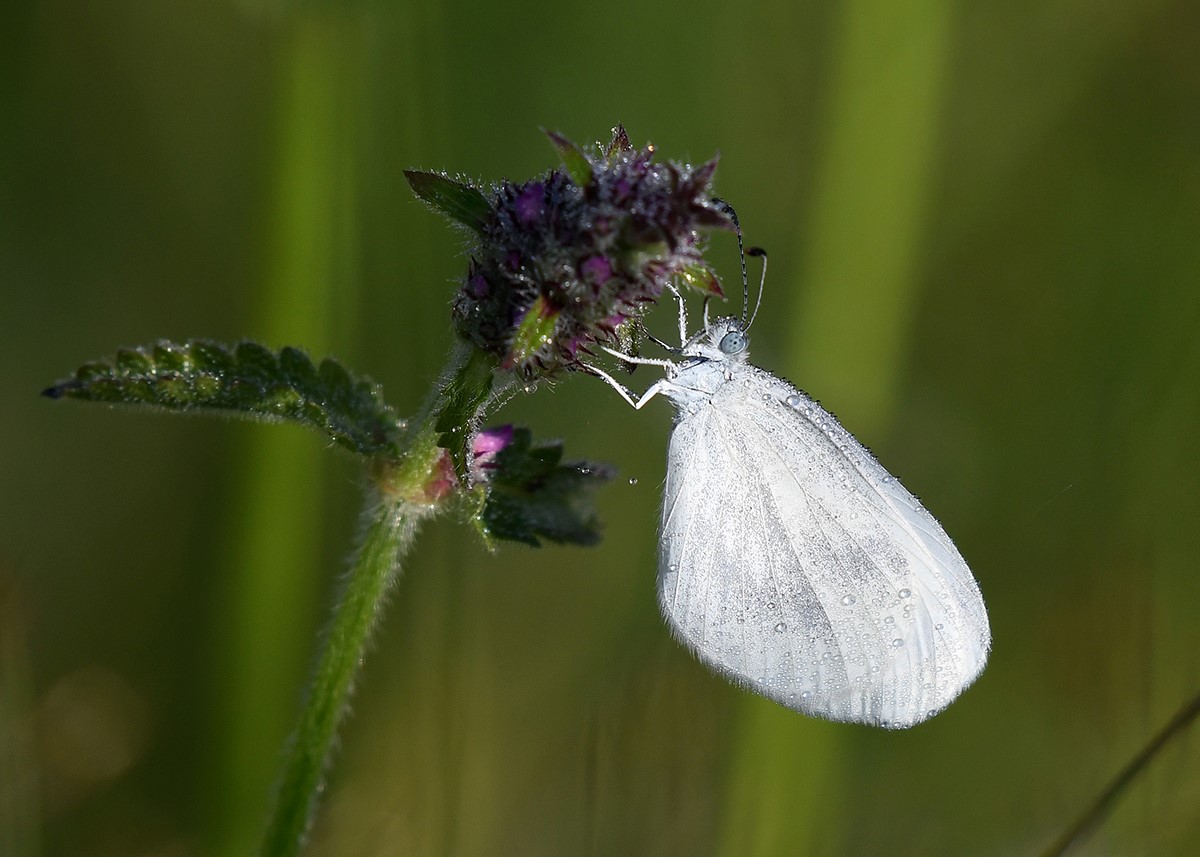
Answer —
(630, 335)
(701, 278)
(535, 330)
(576, 163)
(250, 381)
(454, 199)
(619, 146)
(458, 412)
(532, 496)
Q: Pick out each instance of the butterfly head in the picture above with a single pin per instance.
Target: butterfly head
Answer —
(724, 340)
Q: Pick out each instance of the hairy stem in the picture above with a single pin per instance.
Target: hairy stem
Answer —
(388, 537)
(390, 531)
(391, 526)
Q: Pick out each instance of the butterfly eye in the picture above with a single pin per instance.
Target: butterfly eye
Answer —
(733, 342)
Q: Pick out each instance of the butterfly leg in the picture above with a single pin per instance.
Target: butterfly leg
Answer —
(641, 361)
(651, 392)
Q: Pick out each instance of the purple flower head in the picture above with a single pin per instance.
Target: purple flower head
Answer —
(596, 270)
(565, 259)
(478, 285)
(528, 203)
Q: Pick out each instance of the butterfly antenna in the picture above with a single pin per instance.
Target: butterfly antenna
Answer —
(737, 227)
(762, 254)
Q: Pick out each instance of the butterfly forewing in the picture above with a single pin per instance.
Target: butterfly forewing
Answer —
(793, 563)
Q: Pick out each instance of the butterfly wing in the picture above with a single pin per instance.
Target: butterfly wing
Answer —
(794, 564)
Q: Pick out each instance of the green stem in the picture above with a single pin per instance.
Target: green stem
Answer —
(389, 535)
(392, 526)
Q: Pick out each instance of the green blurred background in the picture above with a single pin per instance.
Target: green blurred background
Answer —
(984, 226)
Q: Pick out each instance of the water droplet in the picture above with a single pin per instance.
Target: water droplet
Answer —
(770, 605)
(633, 480)
(793, 401)
(939, 626)
(897, 643)
(889, 620)
(848, 600)
(806, 694)
(781, 627)
(905, 593)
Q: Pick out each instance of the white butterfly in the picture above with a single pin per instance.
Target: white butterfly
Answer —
(790, 561)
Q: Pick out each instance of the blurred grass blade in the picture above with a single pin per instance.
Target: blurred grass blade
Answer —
(1103, 806)
(277, 575)
(781, 772)
(856, 307)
